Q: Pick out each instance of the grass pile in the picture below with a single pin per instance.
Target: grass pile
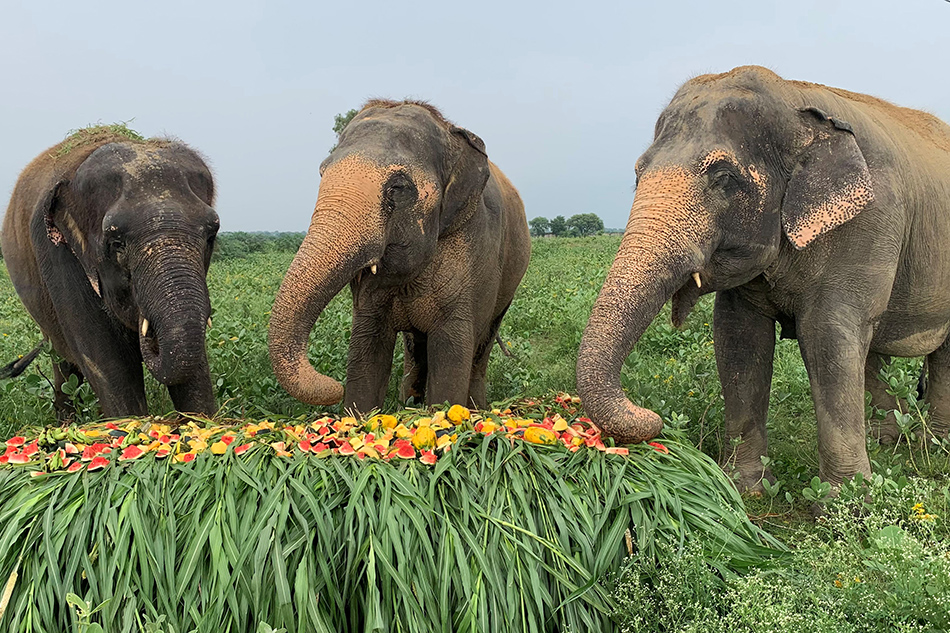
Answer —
(498, 535)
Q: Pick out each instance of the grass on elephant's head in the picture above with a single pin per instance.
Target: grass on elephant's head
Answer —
(94, 133)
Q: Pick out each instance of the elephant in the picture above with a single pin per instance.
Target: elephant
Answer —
(821, 210)
(108, 239)
(433, 241)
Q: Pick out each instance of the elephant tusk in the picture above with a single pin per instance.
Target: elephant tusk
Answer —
(372, 269)
(144, 327)
(699, 284)
(209, 322)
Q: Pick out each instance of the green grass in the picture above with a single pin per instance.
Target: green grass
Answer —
(496, 537)
(671, 371)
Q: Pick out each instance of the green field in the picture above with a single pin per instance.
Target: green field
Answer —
(874, 561)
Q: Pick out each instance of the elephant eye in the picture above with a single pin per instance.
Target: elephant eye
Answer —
(726, 181)
(399, 192)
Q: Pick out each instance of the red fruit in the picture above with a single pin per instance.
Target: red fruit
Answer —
(164, 439)
(31, 448)
(18, 458)
(131, 452)
(111, 426)
(304, 445)
(75, 467)
(19, 440)
(617, 450)
(88, 453)
(659, 447)
(369, 438)
(188, 457)
(227, 439)
(240, 450)
(428, 458)
(4, 459)
(162, 453)
(71, 449)
(406, 451)
(319, 447)
(99, 447)
(98, 463)
(346, 449)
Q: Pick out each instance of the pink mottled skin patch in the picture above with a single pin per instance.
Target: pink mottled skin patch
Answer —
(830, 213)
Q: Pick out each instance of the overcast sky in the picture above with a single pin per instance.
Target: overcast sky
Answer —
(564, 94)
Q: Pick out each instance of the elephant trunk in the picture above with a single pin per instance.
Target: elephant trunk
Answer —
(345, 236)
(660, 252)
(174, 308)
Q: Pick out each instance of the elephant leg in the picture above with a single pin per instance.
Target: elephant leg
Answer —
(744, 341)
(937, 392)
(63, 404)
(106, 353)
(450, 353)
(834, 346)
(369, 363)
(415, 367)
(886, 431)
(477, 387)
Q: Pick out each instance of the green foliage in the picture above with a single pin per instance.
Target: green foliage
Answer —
(539, 226)
(584, 225)
(495, 537)
(340, 121)
(559, 226)
(238, 244)
(874, 561)
(93, 133)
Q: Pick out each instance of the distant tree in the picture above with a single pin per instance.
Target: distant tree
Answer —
(340, 121)
(584, 224)
(559, 226)
(539, 226)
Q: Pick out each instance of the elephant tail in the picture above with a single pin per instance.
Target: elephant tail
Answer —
(18, 366)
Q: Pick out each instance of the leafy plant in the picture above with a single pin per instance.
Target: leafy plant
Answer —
(493, 538)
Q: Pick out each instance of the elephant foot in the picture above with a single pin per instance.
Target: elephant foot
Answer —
(885, 431)
(748, 478)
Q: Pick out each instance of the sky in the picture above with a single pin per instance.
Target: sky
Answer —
(564, 94)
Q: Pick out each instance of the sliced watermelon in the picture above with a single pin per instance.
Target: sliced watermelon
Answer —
(98, 462)
(131, 452)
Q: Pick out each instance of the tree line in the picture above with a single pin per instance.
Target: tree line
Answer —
(580, 225)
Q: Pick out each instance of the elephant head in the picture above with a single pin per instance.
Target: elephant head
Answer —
(737, 161)
(400, 177)
(148, 254)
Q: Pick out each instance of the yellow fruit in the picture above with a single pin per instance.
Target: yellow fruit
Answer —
(383, 421)
(560, 424)
(219, 448)
(423, 438)
(539, 435)
(457, 413)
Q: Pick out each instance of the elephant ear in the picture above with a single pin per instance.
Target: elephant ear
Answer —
(466, 179)
(62, 231)
(830, 185)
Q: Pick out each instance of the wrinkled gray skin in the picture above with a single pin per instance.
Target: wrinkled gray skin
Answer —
(432, 240)
(821, 210)
(100, 238)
